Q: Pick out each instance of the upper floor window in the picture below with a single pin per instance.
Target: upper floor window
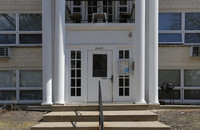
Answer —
(20, 29)
(179, 28)
(99, 11)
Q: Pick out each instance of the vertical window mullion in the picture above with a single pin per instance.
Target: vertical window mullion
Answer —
(17, 28)
(17, 86)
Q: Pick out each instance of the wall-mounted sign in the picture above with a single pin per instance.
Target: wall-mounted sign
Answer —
(124, 67)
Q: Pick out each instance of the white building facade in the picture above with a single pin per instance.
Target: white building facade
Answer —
(58, 51)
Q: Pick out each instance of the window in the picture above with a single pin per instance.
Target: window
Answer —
(179, 28)
(192, 78)
(20, 86)
(169, 76)
(20, 29)
(75, 73)
(124, 81)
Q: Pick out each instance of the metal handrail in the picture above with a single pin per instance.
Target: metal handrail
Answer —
(101, 119)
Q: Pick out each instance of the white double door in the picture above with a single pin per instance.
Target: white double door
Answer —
(100, 68)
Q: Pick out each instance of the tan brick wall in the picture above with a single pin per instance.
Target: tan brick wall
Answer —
(177, 57)
(23, 57)
(179, 4)
(20, 5)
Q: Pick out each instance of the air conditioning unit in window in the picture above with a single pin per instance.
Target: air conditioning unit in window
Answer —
(195, 51)
(5, 52)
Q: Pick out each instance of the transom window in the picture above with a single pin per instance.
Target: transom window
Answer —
(179, 28)
(20, 29)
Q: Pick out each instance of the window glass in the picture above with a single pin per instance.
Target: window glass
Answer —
(192, 94)
(7, 22)
(30, 38)
(169, 21)
(7, 38)
(192, 21)
(7, 79)
(169, 76)
(30, 78)
(8, 95)
(192, 38)
(192, 78)
(176, 94)
(31, 95)
(30, 22)
(170, 37)
(99, 65)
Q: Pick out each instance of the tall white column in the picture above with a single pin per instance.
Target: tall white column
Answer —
(59, 57)
(151, 78)
(47, 51)
(139, 91)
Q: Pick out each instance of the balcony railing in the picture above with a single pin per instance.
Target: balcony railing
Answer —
(100, 11)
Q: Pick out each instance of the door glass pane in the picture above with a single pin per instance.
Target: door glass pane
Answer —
(99, 65)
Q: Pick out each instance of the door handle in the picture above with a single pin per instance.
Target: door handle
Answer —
(112, 78)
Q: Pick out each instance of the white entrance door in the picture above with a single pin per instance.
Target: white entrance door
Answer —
(100, 68)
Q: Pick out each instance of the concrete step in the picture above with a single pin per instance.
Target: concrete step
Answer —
(94, 107)
(92, 116)
(153, 125)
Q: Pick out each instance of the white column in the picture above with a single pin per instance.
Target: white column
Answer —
(151, 79)
(47, 51)
(59, 57)
(139, 91)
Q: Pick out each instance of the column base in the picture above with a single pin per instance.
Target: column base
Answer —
(47, 104)
(140, 102)
(59, 103)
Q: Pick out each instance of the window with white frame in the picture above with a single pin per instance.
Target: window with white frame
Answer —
(20, 29)
(186, 82)
(179, 28)
(20, 85)
(124, 81)
(75, 73)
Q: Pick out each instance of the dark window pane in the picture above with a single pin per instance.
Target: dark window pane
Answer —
(8, 95)
(72, 91)
(175, 94)
(126, 91)
(31, 95)
(78, 64)
(30, 22)
(170, 37)
(121, 91)
(7, 22)
(99, 65)
(126, 54)
(7, 78)
(72, 63)
(78, 54)
(30, 38)
(121, 83)
(126, 82)
(192, 94)
(78, 73)
(169, 76)
(72, 82)
(192, 38)
(169, 21)
(121, 55)
(78, 82)
(192, 21)
(78, 91)
(192, 78)
(32, 78)
(77, 10)
(72, 54)
(72, 73)
(7, 39)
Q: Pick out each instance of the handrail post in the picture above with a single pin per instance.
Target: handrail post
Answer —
(101, 119)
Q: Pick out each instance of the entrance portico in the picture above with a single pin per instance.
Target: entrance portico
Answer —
(65, 83)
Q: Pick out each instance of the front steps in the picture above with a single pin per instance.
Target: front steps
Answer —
(116, 117)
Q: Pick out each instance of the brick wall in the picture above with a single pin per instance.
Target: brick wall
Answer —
(23, 57)
(177, 57)
(179, 4)
(20, 5)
